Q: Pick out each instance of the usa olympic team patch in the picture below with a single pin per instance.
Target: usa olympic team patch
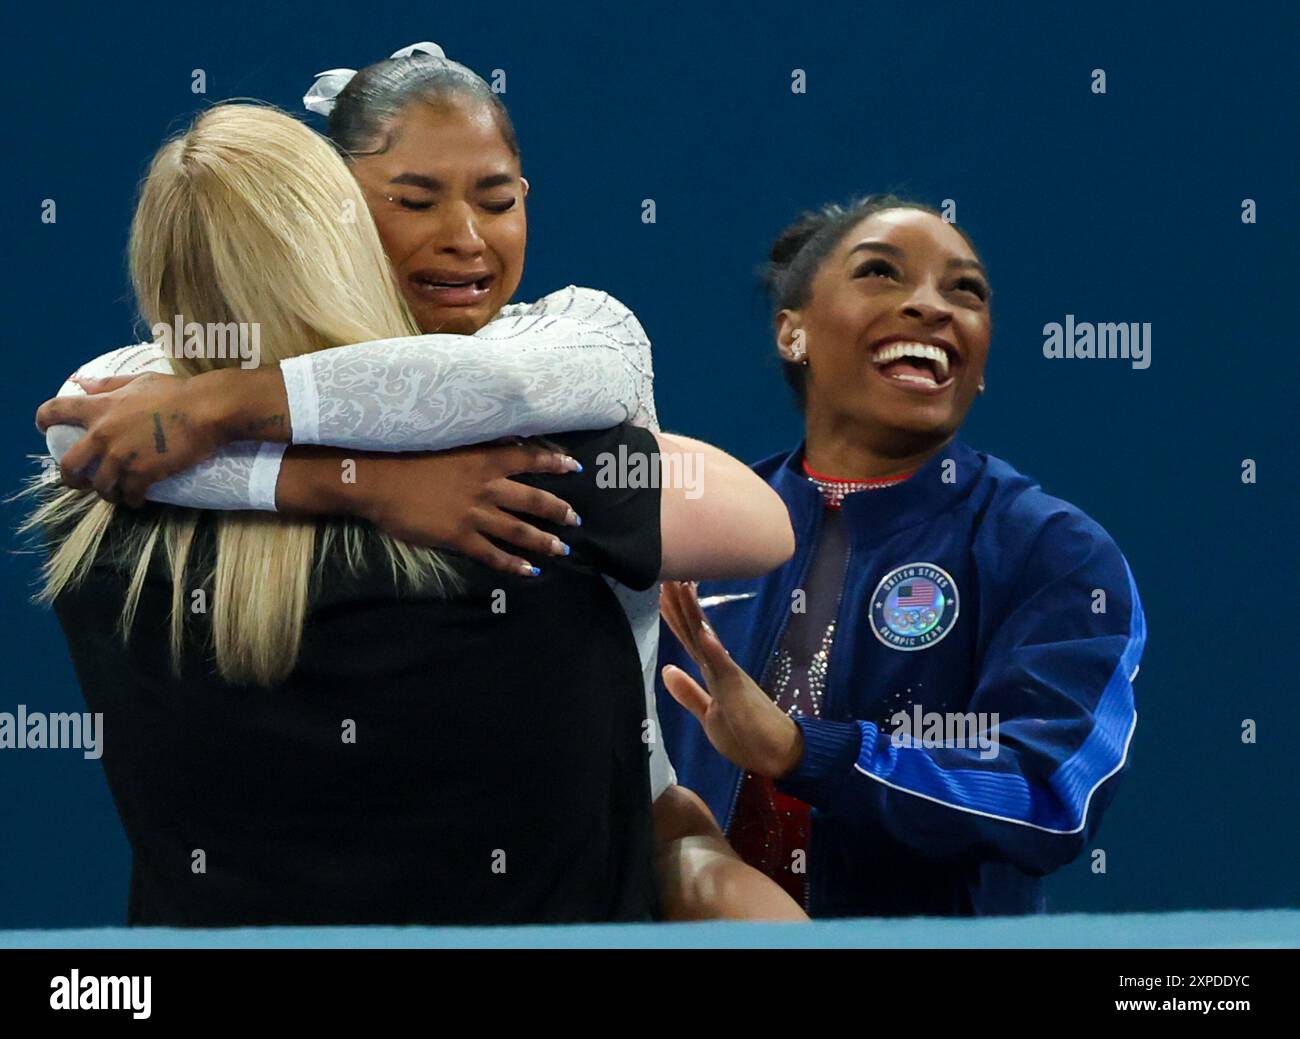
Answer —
(914, 606)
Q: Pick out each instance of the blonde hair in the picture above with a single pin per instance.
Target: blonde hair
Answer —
(249, 216)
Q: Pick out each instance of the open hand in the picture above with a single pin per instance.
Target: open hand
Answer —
(740, 720)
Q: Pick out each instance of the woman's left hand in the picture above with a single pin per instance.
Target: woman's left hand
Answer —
(740, 720)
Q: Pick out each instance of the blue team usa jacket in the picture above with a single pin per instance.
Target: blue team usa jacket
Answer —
(968, 590)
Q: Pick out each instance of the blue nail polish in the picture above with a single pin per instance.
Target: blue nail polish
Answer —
(566, 548)
(535, 571)
(578, 522)
(579, 465)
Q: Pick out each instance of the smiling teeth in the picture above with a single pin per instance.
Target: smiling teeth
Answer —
(896, 351)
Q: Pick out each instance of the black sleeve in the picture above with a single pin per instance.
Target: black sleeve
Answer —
(617, 497)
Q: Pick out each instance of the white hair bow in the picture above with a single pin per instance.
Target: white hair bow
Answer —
(323, 93)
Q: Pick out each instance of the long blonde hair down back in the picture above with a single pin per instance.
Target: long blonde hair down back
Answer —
(247, 217)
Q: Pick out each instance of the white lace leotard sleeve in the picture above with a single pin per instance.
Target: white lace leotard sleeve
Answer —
(575, 359)
(240, 476)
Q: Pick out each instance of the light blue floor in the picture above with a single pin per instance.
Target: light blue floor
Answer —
(1278, 928)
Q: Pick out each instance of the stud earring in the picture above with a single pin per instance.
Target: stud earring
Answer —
(981, 388)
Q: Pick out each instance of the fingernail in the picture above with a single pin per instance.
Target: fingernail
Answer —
(572, 464)
(572, 519)
(528, 570)
(559, 548)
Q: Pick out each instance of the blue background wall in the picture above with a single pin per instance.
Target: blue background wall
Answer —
(1122, 207)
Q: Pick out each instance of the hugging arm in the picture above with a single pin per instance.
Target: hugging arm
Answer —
(576, 359)
(530, 371)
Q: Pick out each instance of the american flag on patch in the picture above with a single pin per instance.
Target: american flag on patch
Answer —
(918, 593)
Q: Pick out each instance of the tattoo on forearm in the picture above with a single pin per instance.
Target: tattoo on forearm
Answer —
(159, 437)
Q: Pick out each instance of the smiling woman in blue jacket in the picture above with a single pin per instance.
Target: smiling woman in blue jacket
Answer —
(928, 707)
